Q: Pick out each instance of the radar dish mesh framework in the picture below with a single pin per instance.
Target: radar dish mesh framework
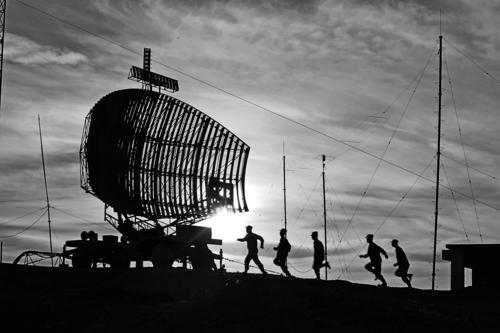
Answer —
(150, 155)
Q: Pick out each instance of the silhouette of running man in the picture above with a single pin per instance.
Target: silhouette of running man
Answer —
(251, 240)
(319, 255)
(402, 264)
(282, 253)
(375, 264)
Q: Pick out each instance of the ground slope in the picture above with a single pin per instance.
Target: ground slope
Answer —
(185, 301)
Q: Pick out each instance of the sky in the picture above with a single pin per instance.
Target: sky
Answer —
(363, 74)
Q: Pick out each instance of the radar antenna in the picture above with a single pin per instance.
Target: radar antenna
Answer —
(3, 6)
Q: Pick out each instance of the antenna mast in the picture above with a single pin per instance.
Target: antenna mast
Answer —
(436, 212)
(284, 185)
(46, 191)
(3, 7)
(324, 218)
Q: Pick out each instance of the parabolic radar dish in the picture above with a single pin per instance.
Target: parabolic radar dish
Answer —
(151, 155)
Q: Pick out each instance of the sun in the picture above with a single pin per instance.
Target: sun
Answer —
(227, 226)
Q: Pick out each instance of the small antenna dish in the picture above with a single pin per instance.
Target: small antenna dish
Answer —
(151, 79)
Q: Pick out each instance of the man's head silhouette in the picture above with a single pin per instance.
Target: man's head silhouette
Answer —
(369, 238)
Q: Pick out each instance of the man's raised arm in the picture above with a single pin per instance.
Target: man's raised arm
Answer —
(261, 241)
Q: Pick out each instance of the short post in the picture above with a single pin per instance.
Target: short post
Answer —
(220, 260)
(1, 252)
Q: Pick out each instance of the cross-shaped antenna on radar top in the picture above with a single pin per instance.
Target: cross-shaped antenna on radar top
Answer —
(151, 79)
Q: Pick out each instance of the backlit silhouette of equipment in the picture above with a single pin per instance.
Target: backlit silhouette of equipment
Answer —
(160, 165)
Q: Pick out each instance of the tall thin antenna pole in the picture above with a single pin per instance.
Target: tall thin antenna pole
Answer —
(438, 162)
(3, 10)
(1, 252)
(440, 25)
(284, 185)
(324, 218)
(46, 190)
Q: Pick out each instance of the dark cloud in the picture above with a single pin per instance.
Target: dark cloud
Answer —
(302, 7)
(452, 5)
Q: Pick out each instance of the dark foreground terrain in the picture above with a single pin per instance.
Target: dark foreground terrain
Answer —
(184, 301)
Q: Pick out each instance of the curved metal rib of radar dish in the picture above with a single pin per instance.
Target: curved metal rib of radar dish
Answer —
(152, 156)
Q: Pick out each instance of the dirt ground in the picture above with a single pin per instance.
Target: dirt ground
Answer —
(175, 300)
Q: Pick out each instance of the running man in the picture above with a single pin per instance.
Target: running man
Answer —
(375, 264)
(319, 255)
(402, 264)
(282, 253)
(251, 240)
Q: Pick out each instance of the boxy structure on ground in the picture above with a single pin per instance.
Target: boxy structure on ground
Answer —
(480, 258)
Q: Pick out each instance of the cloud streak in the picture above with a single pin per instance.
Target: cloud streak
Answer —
(25, 51)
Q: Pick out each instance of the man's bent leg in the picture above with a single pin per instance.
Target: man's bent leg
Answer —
(381, 278)
(369, 267)
(285, 270)
(259, 264)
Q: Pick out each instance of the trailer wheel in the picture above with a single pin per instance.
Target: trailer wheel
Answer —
(81, 262)
(119, 260)
(162, 256)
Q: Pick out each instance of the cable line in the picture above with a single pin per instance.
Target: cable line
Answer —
(404, 196)
(469, 166)
(365, 137)
(393, 209)
(473, 61)
(298, 270)
(22, 216)
(415, 78)
(82, 219)
(344, 266)
(454, 200)
(343, 212)
(340, 255)
(308, 198)
(463, 150)
(27, 228)
(393, 134)
(252, 266)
